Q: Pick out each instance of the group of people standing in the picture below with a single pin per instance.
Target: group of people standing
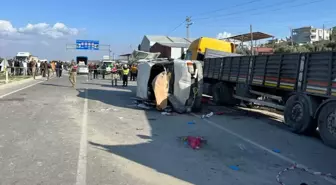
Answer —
(33, 68)
(118, 72)
(95, 69)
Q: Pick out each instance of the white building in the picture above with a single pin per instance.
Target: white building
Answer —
(149, 40)
(310, 34)
(171, 50)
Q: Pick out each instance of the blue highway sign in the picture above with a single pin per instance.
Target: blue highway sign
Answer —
(87, 44)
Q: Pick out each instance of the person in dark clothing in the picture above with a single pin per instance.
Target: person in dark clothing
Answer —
(103, 70)
(43, 70)
(61, 69)
(57, 69)
(17, 67)
(95, 71)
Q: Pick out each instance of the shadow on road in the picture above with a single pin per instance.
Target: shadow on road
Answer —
(56, 85)
(162, 152)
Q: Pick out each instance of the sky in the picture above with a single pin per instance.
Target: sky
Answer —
(45, 27)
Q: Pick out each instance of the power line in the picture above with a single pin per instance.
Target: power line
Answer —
(176, 27)
(251, 9)
(277, 9)
(294, 6)
(234, 6)
(237, 5)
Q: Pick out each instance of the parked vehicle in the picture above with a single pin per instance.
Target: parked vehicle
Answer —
(82, 62)
(303, 85)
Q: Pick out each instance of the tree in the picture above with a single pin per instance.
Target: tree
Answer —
(243, 50)
(333, 34)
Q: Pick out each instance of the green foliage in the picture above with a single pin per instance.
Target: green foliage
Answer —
(243, 51)
(333, 34)
(286, 47)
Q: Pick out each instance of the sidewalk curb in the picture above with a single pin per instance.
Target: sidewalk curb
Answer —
(12, 84)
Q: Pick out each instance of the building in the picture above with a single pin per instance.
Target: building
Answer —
(310, 34)
(276, 41)
(263, 51)
(149, 40)
(125, 57)
(170, 50)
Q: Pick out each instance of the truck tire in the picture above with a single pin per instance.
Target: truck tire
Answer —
(327, 124)
(223, 94)
(297, 115)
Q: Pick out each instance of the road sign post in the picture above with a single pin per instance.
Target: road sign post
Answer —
(87, 44)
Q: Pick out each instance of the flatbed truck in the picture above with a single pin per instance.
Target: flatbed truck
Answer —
(302, 85)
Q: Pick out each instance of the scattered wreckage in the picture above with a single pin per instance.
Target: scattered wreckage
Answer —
(168, 82)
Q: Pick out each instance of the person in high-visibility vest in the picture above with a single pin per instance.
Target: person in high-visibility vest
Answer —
(125, 72)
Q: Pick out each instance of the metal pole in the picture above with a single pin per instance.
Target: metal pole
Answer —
(188, 24)
(323, 32)
(109, 52)
(252, 52)
(6, 71)
(291, 32)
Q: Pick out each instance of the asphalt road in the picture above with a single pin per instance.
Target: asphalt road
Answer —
(53, 134)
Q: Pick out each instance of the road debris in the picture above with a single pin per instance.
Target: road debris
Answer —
(233, 167)
(195, 142)
(105, 109)
(296, 166)
(166, 113)
(191, 122)
(276, 150)
(242, 147)
(207, 115)
(143, 106)
(220, 113)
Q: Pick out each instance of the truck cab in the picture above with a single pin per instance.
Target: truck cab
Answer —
(82, 62)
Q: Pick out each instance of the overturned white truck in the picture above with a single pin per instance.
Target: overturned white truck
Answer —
(178, 82)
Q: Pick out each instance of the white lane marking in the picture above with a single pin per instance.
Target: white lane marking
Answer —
(333, 181)
(2, 96)
(82, 158)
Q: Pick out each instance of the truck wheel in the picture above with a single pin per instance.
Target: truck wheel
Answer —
(327, 124)
(223, 94)
(297, 115)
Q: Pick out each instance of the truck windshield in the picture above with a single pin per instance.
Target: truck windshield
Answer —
(82, 60)
(188, 55)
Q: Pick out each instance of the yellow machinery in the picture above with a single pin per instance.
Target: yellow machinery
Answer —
(197, 48)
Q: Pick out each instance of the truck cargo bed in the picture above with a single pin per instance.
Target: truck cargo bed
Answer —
(312, 73)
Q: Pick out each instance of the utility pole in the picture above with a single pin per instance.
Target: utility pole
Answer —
(291, 33)
(110, 52)
(188, 24)
(252, 52)
(323, 32)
